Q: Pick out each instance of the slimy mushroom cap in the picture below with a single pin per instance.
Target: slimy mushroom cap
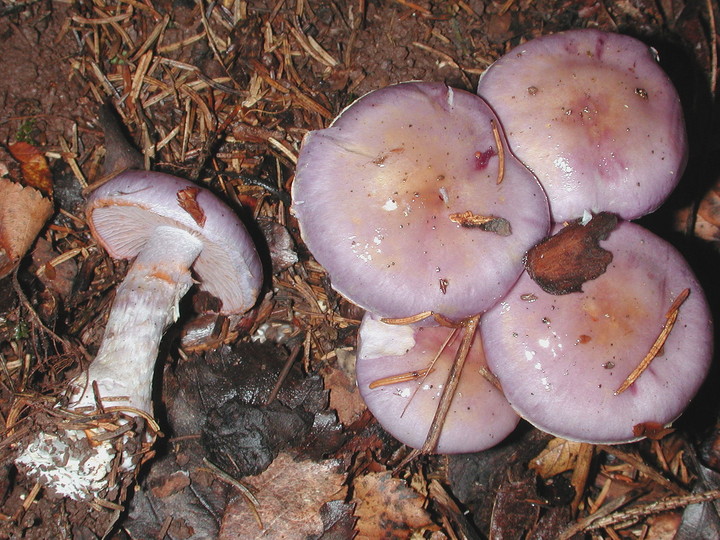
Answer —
(383, 194)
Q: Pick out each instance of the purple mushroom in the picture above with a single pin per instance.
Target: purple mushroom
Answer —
(413, 203)
(571, 364)
(594, 116)
(401, 372)
(171, 228)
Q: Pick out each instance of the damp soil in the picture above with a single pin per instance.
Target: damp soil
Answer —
(222, 93)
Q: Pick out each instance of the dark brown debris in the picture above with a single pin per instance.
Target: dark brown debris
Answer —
(572, 256)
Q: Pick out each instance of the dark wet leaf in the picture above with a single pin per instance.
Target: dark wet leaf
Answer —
(516, 510)
(552, 522)
(338, 520)
(475, 478)
(280, 244)
(193, 510)
(386, 507)
(702, 521)
(244, 439)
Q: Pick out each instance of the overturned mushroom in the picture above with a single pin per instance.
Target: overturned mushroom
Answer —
(170, 227)
(594, 116)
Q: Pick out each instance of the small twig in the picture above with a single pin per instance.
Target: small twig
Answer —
(644, 468)
(501, 152)
(407, 320)
(165, 527)
(448, 394)
(451, 385)
(588, 522)
(401, 377)
(246, 493)
(713, 47)
(284, 373)
(663, 505)
(671, 316)
(580, 474)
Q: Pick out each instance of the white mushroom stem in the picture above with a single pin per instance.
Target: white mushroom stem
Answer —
(145, 305)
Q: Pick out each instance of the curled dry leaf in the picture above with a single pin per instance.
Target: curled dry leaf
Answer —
(566, 260)
(23, 213)
(652, 430)
(35, 170)
(559, 455)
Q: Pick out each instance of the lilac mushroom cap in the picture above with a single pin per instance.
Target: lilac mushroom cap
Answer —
(124, 212)
(374, 194)
(560, 359)
(479, 417)
(594, 116)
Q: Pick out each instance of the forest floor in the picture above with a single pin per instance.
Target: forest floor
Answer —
(222, 93)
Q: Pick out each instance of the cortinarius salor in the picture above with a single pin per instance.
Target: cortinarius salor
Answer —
(595, 117)
(413, 203)
(618, 359)
(170, 227)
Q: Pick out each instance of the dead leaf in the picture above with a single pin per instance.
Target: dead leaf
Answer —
(290, 495)
(515, 511)
(563, 262)
(559, 455)
(171, 484)
(387, 507)
(23, 213)
(651, 430)
(344, 395)
(187, 199)
(59, 277)
(34, 166)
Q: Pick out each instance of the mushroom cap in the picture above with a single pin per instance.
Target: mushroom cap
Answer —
(560, 359)
(479, 417)
(374, 192)
(125, 211)
(594, 116)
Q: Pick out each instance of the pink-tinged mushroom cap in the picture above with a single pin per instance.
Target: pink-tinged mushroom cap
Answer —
(561, 359)
(594, 116)
(125, 211)
(380, 196)
(479, 417)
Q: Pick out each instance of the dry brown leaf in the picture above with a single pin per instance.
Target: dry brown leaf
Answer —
(171, 484)
(387, 507)
(559, 455)
(290, 494)
(34, 166)
(23, 213)
(344, 395)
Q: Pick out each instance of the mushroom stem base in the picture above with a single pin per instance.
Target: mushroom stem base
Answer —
(94, 447)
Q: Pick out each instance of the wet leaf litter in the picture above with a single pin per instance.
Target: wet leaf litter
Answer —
(283, 76)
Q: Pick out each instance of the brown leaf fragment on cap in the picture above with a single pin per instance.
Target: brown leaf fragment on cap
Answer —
(563, 262)
(497, 225)
(187, 199)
